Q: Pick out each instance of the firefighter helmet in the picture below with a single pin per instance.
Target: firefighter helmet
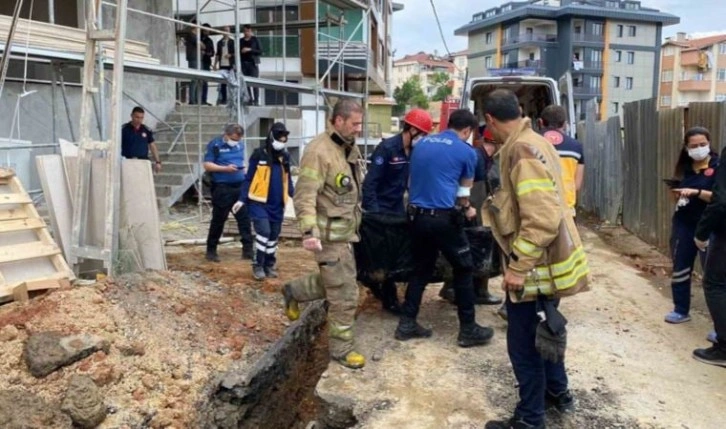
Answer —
(419, 119)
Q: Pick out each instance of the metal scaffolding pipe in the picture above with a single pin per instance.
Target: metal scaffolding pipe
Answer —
(51, 11)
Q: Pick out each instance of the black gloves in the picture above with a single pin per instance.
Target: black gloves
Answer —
(551, 338)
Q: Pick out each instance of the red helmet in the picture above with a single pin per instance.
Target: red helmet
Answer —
(488, 136)
(419, 119)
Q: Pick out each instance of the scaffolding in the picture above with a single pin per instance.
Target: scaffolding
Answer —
(94, 64)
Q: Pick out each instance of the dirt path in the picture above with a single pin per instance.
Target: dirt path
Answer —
(628, 369)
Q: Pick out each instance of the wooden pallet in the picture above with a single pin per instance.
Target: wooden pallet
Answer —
(30, 260)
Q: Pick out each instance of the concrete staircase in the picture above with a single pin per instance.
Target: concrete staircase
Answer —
(180, 150)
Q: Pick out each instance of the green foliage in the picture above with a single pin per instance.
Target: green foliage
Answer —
(441, 80)
(410, 94)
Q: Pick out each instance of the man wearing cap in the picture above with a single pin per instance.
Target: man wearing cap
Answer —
(265, 191)
(386, 183)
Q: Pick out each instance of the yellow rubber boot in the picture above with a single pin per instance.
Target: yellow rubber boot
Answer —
(292, 311)
(352, 360)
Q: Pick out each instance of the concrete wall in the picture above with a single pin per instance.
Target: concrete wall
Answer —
(645, 34)
(156, 94)
(641, 72)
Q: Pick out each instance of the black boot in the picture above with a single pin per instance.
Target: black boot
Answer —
(481, 290)
(389, 298)
(473, 334)
(447, 293)
(564, 402)
(512, 423)
(408, 329)
(212, 256)
(247, 253)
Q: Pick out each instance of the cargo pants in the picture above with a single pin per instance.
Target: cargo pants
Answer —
(336, 282)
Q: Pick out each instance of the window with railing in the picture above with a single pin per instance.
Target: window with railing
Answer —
(274, 97)
(272, 40)
(665, 100)
(667, 76)
(721, 75)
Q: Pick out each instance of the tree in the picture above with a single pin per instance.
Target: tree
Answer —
(410, 94)
(440, 81)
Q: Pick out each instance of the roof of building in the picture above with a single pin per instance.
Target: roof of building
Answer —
(424, 59)
(516, 11)
(697, 44)
(380, 100)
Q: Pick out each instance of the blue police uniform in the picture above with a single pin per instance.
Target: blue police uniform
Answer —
(225, 190)
(438, 164)
(135, 141)
(685, 220)
(387, 178)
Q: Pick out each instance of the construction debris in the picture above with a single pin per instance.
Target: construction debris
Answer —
(30, 259)
(84, 403)
(45, 352)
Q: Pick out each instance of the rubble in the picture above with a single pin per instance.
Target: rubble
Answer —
(20, 409)
(45, 352)
(83, 402)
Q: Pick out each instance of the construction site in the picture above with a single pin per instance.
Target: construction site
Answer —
(111, 317)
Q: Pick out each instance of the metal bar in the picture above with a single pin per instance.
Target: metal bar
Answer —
(166, 18)
(317, 72)
(198, 90)
(176, 139)
(101, 84)
(366, 88)
(65, 103)
(53, 88)
(5, 60)
(51, 11)
(31, 146)
(347, 42)
(241, 84)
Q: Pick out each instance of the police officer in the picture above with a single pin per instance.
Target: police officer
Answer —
(225, 161)
(327, 203)
(442, 173)
(386, 183)
(137, 139)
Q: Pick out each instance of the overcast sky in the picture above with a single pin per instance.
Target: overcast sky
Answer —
(414, 28)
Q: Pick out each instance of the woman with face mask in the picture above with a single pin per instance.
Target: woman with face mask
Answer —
(694, 175)
(266, 189)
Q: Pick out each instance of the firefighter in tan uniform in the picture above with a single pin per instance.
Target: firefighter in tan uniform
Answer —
(327, 204)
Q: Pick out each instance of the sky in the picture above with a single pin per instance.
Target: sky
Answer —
(414, 28)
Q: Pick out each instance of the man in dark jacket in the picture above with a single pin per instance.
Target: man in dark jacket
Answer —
(711, 234)
(207, 57)
(251, 50)
(224, 62)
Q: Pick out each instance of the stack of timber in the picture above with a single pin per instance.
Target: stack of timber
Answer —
(30, 260)
(42, 35)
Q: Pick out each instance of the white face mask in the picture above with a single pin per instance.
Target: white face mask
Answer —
(232, 142)
(277, 145)
(700, 153)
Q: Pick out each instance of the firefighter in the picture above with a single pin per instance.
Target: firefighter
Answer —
(327, 204)
(484, 148)
(545, 260)
(386, 183)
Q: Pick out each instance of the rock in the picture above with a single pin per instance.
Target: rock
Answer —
(9, 333)
(148, 381)
(45, 352)
(180, 309)
(138, 394)
(83, 402)
(22, 409)
(133, 348)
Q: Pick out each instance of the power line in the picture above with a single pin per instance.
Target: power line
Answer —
(441, 32)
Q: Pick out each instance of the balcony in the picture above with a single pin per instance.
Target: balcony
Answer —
(588, 38)
(521, 68)
(586, 65)
(272, 45)
(586, 90)
(527, 37)
(694, 85)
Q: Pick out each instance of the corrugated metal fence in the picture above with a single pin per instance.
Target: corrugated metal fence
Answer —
(628, 171)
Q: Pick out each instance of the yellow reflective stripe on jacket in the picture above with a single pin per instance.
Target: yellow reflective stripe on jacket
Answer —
(566, 274)
(307, 222)
(311, 173)
(533, 185)
(524, 247)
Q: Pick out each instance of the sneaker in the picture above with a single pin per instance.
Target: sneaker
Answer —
(258, 272)
(713, 356)
(271, 272)
(502, 312)
(712, 337)
(292, 310)
(512, 423)
(352, 360)
(677, 318)
(474, 335)
(409, 329)
(564, 402)
(213, 257)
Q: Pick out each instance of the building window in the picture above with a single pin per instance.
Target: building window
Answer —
(596, 56)
(596, 82)
(616, 81)
(612, 4)
(616, 108)
(491, 13)
(274, 97)
(507, 8)
(667, 76)
(721, 75)
(489, 38)
(631, 57)
(618, 56)
(620, 30)
(720, 97)
(488, 62)
(669, 51)
(271, 41)
(628, 83)
(722, 48)
(632, 31)
(632, 6)
(597, 29)
(665, 100)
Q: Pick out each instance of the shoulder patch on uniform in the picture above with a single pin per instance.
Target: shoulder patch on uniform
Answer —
(554, 137)
(378, 160)
(709, 172)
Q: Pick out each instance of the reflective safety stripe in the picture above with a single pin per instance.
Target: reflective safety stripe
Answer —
(311, 173)
(341, 332)
(681, 279)
(682, 272)
(260, 247)
(271, 250)
(307, 222)
(525, 247)
(260, 239)
(533, 185)
(566, 274)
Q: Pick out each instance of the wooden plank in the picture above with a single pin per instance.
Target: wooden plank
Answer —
(21, 225)
(19, 252)
(54, 281)
(15, 199)
(6, 173)
(20, 293)
(12, 214)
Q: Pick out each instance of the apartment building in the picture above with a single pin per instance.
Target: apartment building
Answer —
(692, 70)
(423, 65)
(611, 47)
(461, 63)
